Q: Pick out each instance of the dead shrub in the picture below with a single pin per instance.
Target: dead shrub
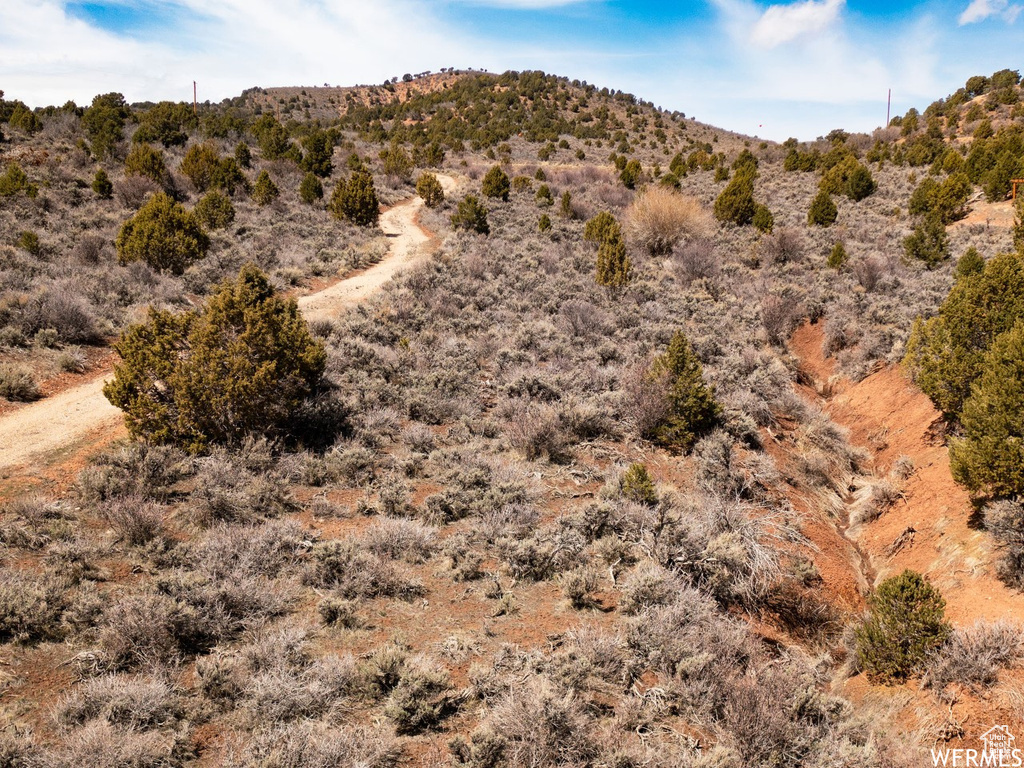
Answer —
(62, 308)
(973, 656)
(396, 539)
(578, 586)
(339, 612)
(225, 492)
(648, 586)
(137, 470)
(533, 725)
(352, 572)
(100, 745)
(659, 218)
(319, 745)
(30, 608)
(535, 430)
(422, 698)
(135, 520)
(133, 191)
(143, 630)
(90, 248)
(128, 702)
(17, 384)
(779, 315)
(695, 259)
(785, 246)
(869, 272)
(1005, 521)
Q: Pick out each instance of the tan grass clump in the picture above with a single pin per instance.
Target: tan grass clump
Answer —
(660, 217)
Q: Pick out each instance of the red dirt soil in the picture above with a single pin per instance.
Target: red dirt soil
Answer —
(890, 418)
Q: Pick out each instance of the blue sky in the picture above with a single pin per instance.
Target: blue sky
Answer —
(772, 69)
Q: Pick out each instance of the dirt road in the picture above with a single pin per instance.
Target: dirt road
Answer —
(74, 414)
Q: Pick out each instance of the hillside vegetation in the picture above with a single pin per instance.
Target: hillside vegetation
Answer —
(559, 494)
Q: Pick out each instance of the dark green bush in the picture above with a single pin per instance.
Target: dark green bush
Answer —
(692, 409)
(837, 257)
(598, 229)
(102, 185)
(471, 215)
(989, 458)
(162, 234)
(637, 485)
(201, 165)
(356, 200)
(145, 161)
(214, 210)
(928, 242)
(763, 220)
(429, 188)
(496, 184)
(946, 353)
(311, 190)
(242, 365)
(614, 269)
(823, 212)
(736, 202)
(265, 191)
(907, 623)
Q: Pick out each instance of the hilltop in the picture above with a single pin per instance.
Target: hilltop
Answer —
(611, 473)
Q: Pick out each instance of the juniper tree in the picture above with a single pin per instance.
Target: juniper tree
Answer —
(104, 122)
(162, 234)
(496, 184)
(265, 191)
(318, 146)
(692, 410)
(614, 269)
(356, 200)
(928, 242)
(907, 623)
(945, 353)
(311, 190)
(145, 161)
(102, 185)
(989, 458)
(214, 210)
(200, 164)
(242, 365)
(471, 215)
(429, 188)
(736, 202)
(823, 212)
(596, 230)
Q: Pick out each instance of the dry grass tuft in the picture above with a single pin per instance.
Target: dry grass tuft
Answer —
(660, 218)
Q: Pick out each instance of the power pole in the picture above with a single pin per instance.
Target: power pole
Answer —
(195, 105)
(888, 109)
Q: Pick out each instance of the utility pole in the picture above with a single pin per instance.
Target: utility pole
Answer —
(195, 105)
(888, 109)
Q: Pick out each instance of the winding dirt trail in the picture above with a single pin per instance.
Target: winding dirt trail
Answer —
(74, 416)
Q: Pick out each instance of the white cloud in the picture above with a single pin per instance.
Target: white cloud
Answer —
(525, 5)
(48, 56)
(783, 23)
(979, 10)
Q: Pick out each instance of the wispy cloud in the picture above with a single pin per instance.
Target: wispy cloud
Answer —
(979, 10)
(48, 54)
(525, 5)
(784, 23)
